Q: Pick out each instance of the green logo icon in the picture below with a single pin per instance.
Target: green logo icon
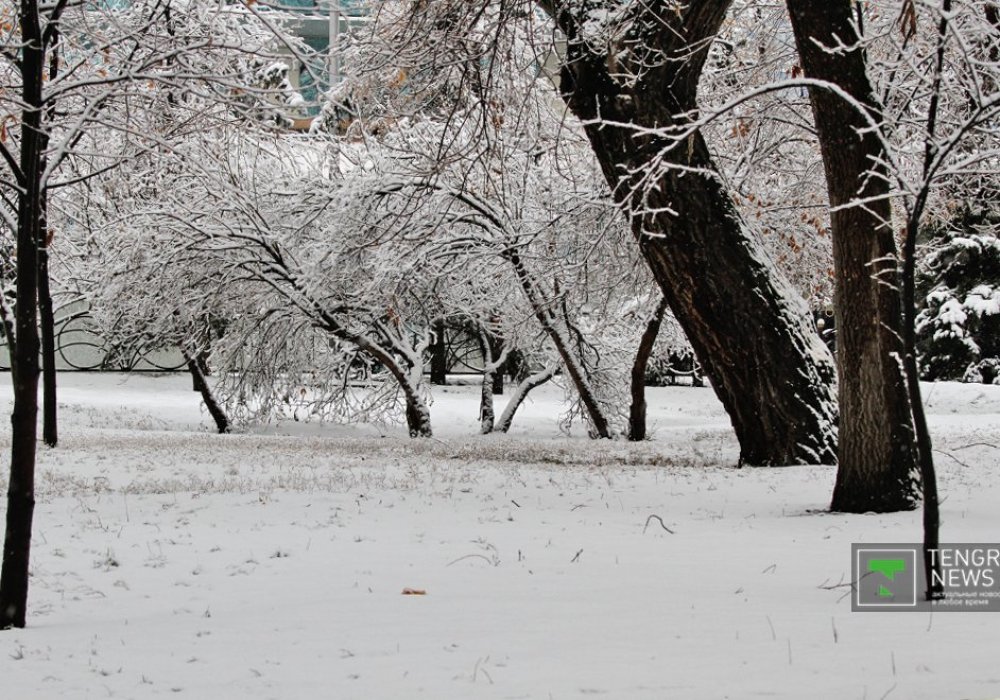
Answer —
(888, 568)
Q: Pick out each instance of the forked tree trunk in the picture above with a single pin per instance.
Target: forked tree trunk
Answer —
(877, 457)
(520, 393)
(540, 306)
(494, 358)
(24, 428)
(637, 409)
(749, 329)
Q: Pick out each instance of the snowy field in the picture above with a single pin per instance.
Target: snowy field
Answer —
(169, 561)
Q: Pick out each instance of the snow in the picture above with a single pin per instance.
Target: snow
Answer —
(169, 561)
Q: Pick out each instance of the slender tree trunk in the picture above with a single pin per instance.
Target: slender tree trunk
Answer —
(928, 474)
(637, 410)
(418, 416)
(520, 393)
(487, 414)
(50, 405)
(748, 327)
(550, 324)
(494, 358)
(24, 427)
(877, 456)
(50, 429)
(196, 365)
(439, 354)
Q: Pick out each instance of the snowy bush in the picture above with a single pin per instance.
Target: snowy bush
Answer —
(959, 325)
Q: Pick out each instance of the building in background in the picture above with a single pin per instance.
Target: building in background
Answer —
(321, 24)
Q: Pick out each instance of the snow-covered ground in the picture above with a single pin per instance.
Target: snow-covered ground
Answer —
(169, 561)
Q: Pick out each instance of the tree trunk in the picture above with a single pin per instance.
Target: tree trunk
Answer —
(50, 429)
(877, 460)
(487, 415)
(24, 426)
(540, 306)
(494, 358)
(750, 330)
(418, 418)
(520, 393)
(196, 365)
(637, 410)
(439, 354)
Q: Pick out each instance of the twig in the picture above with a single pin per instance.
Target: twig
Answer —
(977, 444)
(658, 519)
(469, 556)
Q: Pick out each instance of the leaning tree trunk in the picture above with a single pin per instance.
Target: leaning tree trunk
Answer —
(418, 415)
(196, 367)
(520, 393)
(877, 457)
(24, 428)
(637, 409)
(750, 330)
(549, 322)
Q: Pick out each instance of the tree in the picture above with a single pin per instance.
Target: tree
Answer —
(27, 169)
(631, 75)
(79, 65)
(877, 457)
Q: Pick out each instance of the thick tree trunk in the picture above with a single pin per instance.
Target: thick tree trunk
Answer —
(520, 393)
(439, 355)
(637, 409)
(24, 426)
(418, 417)
(750, 330)
(877, 458)
(196, 366)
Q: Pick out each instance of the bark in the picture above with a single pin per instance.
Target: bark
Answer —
(925, 456)
(50, 406)
(546, 317)
(496, 350)
(418, 416)
(487, 414)
(494, 358)
(637, 409)
(196, 366)
(877, 456)
(50, 425)
(749, 329)
(24, 428)
(439, 355)
(520, 393)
